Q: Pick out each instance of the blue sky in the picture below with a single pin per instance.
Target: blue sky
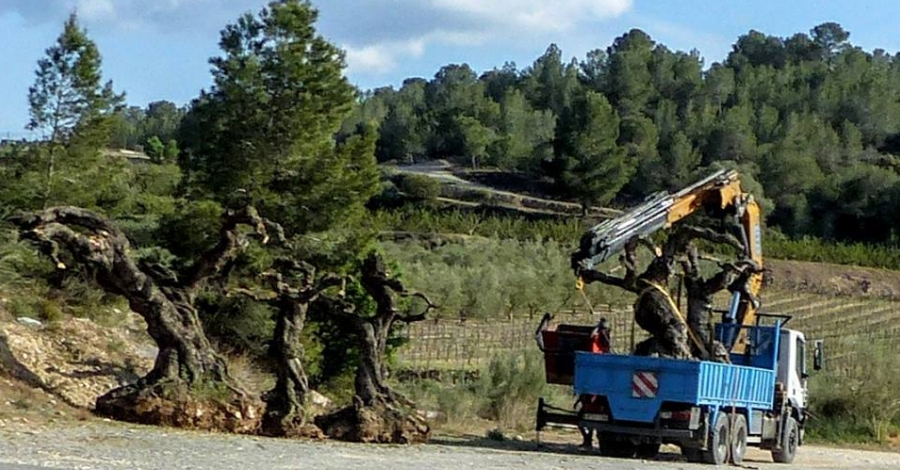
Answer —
(158, 49)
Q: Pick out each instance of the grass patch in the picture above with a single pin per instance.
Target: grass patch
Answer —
(503, 399)
(860, 402)
(211, 390)
(243, 369)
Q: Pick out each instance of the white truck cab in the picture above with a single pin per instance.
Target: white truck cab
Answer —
(792, 371)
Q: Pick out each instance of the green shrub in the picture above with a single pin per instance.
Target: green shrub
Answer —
(19, 307)
(505, 394)
(514, 383)
(49, 311)
(420, 187)
(865, 406)
(192, 229)
(237, 323)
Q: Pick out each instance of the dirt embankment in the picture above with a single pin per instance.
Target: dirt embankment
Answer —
(59, 369)
(834, 279)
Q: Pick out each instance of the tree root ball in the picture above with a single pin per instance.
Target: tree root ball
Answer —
(275, 424)
(380, 423)
(176, 405)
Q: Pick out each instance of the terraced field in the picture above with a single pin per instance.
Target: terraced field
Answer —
(827, 317)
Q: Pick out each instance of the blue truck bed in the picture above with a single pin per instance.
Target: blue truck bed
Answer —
(636, 386)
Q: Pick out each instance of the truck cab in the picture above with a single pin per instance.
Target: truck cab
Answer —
(792, 367)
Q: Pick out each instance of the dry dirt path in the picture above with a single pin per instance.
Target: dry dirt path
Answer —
(116, 446)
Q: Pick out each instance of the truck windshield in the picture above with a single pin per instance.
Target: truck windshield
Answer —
(801, 357)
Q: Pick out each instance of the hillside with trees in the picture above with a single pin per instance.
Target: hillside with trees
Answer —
(814, 120)
(257, 224)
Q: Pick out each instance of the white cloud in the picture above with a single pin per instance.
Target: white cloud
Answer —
(377, 34)
(460, 23)
(382, 57)
(96, 10)
(171, 15)
(538, 15)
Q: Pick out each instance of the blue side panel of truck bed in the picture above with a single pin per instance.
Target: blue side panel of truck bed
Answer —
(618, 378)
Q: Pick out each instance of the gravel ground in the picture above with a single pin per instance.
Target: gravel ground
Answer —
(117, 446)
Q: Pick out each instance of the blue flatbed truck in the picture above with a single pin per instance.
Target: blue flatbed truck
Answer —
(712, 410)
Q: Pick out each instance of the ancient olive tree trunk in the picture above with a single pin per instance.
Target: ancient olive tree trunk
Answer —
(189, 384)
(293, 288)
(378, 413)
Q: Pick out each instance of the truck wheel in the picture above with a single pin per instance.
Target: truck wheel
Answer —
(790, 439)
(648, 450)
(610, 447)
(738, 439)
(717, 443)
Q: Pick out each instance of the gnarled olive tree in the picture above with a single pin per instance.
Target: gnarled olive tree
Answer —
(293, 287)
(378, 413)
(189, 384)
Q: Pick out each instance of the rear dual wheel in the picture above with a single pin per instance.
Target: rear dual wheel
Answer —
(717, 445)
(738, 439)
(726, 443)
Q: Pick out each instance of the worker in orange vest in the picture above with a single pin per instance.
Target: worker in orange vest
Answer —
(601, 341)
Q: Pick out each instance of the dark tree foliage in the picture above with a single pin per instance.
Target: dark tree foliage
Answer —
(794, 113)
(266, 130)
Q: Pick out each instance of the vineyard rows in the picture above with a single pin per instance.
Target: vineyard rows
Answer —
(450, 344)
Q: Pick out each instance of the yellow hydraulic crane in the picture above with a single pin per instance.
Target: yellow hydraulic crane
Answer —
(718, 194)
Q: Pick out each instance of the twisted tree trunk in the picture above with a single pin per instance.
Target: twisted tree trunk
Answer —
(378, 413)
(284, 415)
(189, 385)
(285, 402)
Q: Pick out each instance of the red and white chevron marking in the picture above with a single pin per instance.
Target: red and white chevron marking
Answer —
(644, 385)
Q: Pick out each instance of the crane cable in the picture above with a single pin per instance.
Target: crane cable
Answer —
(579, 285)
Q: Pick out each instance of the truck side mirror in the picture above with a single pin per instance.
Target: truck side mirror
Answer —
(818, 354)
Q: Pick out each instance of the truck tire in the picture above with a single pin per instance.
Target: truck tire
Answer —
(790, 439)
(738, 439)
(610, 447)
(648, 450)
(716, 452)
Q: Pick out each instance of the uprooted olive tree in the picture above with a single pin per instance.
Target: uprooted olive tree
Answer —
(189, 385)
(293, 287)
(378, 413)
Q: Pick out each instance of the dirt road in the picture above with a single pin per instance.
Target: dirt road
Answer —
(116, 446)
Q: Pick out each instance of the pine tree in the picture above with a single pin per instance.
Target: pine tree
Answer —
(589, 165)
(73, 109)
(265, 129)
